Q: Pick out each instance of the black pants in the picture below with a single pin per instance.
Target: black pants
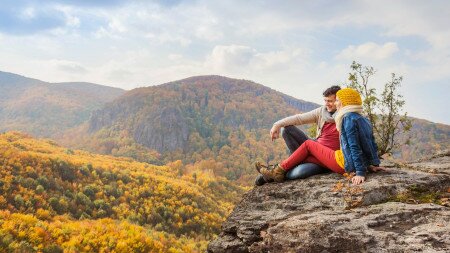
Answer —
(293, 137)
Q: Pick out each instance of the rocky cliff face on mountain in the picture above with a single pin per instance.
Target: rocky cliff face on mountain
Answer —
(403, 210)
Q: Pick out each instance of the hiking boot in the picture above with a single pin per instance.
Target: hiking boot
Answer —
(274, 172)
(258, 167)
(259, 180)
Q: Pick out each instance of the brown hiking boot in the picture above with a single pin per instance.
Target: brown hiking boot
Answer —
(260, 180)
(274, 172)
(259, 166)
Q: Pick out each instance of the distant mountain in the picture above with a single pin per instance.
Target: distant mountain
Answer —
(163, 117)
(425, 138)
(46, 109)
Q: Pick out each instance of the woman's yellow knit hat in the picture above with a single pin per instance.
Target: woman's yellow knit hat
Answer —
(349, 96)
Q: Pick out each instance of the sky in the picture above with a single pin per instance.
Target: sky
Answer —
(296, 47)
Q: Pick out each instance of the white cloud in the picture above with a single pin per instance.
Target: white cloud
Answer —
(276, 60)
(417, 18)
(120, 75)
(73, 21)
(208, 33)
(67, 66)
(265, 24)
(244, 59)
(233, 57)
(28, 13)
(369, 50)
(101, 33)
(117, 25)
(175, 57)
(172, 38)
(207, 25)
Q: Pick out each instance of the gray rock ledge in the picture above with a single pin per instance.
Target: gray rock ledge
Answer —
(307, 216)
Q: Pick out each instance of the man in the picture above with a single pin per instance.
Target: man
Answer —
(327, 134)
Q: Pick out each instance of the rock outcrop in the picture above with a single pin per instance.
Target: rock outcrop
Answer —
(403, 210)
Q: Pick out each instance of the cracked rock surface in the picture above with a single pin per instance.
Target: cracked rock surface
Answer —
(308, 216)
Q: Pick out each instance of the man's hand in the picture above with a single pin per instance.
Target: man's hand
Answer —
(358, 180)
(275, 132)
(377, 168)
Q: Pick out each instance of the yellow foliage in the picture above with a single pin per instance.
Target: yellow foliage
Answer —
(104, 235)
(86, 202)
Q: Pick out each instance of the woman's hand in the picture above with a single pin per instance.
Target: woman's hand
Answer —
(373, 168)
(358, 180)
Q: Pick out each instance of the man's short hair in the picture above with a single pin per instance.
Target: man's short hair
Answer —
(331, 91)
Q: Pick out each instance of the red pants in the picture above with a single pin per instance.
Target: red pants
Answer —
(313, 152)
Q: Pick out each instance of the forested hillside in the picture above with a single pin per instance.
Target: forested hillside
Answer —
(51, 195)
(425, 138)
(47, 109)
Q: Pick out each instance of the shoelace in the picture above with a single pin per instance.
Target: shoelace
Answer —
(268, 166)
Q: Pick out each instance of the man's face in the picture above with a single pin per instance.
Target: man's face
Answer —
(329, 103)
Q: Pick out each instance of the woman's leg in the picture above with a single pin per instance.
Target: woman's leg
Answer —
(305, 170)
(313, 152)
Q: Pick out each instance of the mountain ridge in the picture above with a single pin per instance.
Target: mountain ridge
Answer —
(201, 89)
(46, 109)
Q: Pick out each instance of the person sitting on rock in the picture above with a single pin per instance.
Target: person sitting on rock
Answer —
(327, 135)
(358, 151)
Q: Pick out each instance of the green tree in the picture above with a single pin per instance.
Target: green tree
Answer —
(384, 112)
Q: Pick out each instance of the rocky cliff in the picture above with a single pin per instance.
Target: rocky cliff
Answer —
(403, 210)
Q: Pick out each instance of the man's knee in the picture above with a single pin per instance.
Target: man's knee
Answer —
(288, 130)
(308, 143)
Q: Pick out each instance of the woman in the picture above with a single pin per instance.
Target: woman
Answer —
(358, 151)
